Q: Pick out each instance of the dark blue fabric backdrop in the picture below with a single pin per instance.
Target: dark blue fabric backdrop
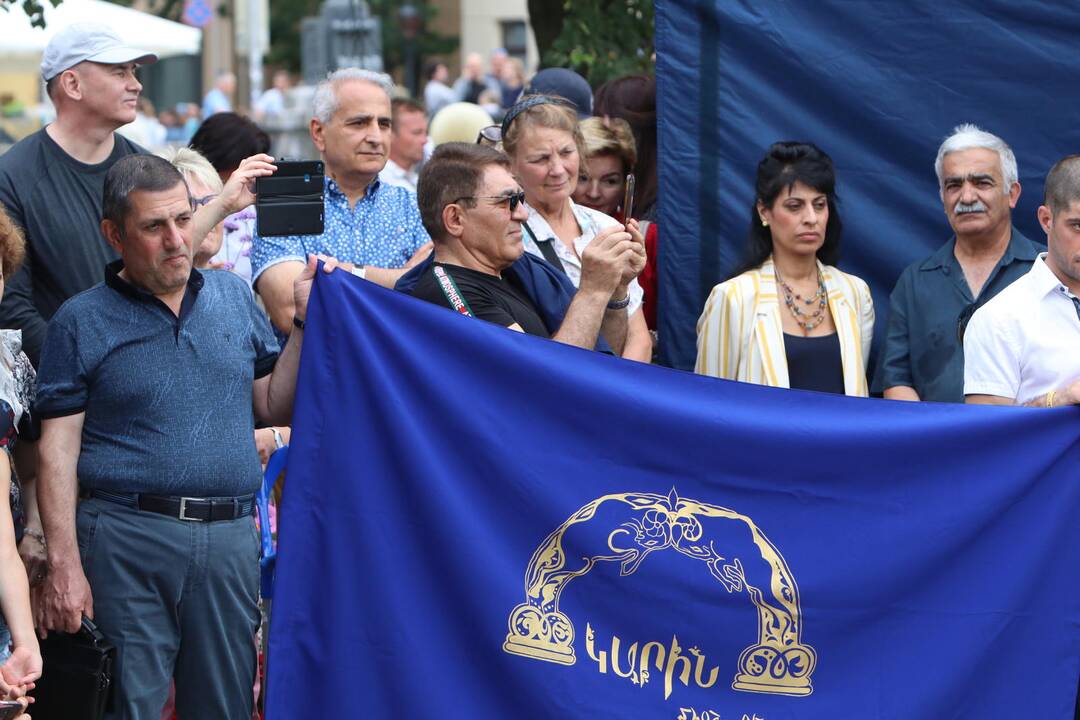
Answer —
(877, 84)
(448, 479)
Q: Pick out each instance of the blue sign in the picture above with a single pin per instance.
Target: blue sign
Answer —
(482, 524)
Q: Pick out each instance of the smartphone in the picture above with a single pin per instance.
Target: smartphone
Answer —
(10, 709)
(290, 202)
(628, 199)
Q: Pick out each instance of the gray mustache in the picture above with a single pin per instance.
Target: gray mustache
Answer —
(964, 208)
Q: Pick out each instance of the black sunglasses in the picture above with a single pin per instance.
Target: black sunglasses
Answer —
(514, 199)
(490, 135)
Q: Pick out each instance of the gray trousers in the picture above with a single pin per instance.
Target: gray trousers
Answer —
(179, 600)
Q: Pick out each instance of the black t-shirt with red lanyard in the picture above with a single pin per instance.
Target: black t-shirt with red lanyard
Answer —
(488, 297)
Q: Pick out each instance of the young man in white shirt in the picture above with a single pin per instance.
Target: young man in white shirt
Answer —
(1023, 346)
(408, 136)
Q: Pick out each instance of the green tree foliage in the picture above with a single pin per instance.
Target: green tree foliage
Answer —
(604, 39)
(285, 17)
(34, 9)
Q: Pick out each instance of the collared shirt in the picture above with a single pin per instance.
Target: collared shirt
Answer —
(167, 397)
(1026, 341)
(394, 174)
(922, 349)
(591, 222)
(383, 229)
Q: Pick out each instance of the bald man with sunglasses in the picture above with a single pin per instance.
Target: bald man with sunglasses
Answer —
(473, 209)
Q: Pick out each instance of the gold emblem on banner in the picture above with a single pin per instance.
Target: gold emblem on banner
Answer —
(778, 662)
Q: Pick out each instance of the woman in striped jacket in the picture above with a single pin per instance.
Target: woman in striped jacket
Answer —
(789, 318)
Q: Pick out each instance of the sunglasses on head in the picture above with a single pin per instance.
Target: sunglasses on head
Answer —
(204, 200)
(491, 135)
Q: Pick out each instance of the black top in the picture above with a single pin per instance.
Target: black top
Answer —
(495, 299)
(814, 363)
(57, 201)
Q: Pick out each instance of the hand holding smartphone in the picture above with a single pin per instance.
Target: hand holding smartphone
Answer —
(10, 709)
(628, 199)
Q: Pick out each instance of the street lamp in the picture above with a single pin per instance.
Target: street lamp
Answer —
(410, 20)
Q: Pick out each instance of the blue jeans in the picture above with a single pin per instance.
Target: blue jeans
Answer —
(179, 600)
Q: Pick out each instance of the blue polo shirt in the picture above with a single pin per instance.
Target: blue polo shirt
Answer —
(921, 345)
(383, 229)
(167, 398)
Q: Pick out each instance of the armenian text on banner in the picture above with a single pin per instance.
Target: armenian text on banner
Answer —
(481, 524)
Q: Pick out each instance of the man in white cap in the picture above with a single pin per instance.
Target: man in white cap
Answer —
(51, 182)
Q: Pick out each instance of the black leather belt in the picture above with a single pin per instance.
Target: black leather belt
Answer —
(181, 508)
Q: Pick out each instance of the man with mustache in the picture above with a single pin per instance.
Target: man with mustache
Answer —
(51, 181)
(935, 298)
(1023, 347)
(161, 550)
(370, 224)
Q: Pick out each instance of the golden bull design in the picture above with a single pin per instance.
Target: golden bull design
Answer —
(778, 662)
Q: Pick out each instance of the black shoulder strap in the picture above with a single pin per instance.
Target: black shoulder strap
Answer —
(546, 248)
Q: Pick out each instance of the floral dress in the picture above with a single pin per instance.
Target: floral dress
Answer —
(16, 395)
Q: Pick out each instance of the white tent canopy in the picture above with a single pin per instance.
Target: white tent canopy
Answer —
(21, 44)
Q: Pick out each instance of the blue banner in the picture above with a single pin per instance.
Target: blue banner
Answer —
(481, 524)
(878, 86)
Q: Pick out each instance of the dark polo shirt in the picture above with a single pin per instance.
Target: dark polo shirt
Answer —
(921, 345)
(167, 399)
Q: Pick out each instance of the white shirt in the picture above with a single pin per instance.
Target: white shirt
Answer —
(1025, 341)
(394, 174)
(591, 222)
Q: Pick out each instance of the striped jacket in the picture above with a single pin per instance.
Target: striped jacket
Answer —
(740, 335)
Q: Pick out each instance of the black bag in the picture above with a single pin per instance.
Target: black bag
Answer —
(76, 675)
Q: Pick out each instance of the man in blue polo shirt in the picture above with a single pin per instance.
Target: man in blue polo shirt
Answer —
(371, 224)
(148, 389)
(934, 298)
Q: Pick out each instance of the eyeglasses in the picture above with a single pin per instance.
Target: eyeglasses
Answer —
(204, 200)
(514, 199)
(490, 135)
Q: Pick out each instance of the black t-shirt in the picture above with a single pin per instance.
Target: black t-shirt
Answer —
(57, 201)
(491, 298)
(814, 363)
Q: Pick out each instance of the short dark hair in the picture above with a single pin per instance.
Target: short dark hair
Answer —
(225, 139)
(454, 171)
(785, 164)
(431, 68)
(1062, 184)
(405, 104)
(12, 244)
(136, 173)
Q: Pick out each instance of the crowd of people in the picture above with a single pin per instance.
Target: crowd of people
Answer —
(160, 390)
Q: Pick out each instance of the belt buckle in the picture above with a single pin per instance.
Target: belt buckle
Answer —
(183, 510)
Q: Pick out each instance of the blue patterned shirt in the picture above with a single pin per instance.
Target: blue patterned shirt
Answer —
(383, 230)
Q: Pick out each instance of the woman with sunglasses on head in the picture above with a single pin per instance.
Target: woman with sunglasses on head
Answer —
(542, 137)
(789, 318)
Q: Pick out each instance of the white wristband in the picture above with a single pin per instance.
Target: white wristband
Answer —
(360, 271)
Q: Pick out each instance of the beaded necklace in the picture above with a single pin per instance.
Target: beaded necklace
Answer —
(807, 321)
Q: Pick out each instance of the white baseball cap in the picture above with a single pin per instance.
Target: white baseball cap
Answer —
(88, 41)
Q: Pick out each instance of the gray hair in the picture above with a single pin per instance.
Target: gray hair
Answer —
(326, 103)
(148, 173)
(968, 137)
(193, 166)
